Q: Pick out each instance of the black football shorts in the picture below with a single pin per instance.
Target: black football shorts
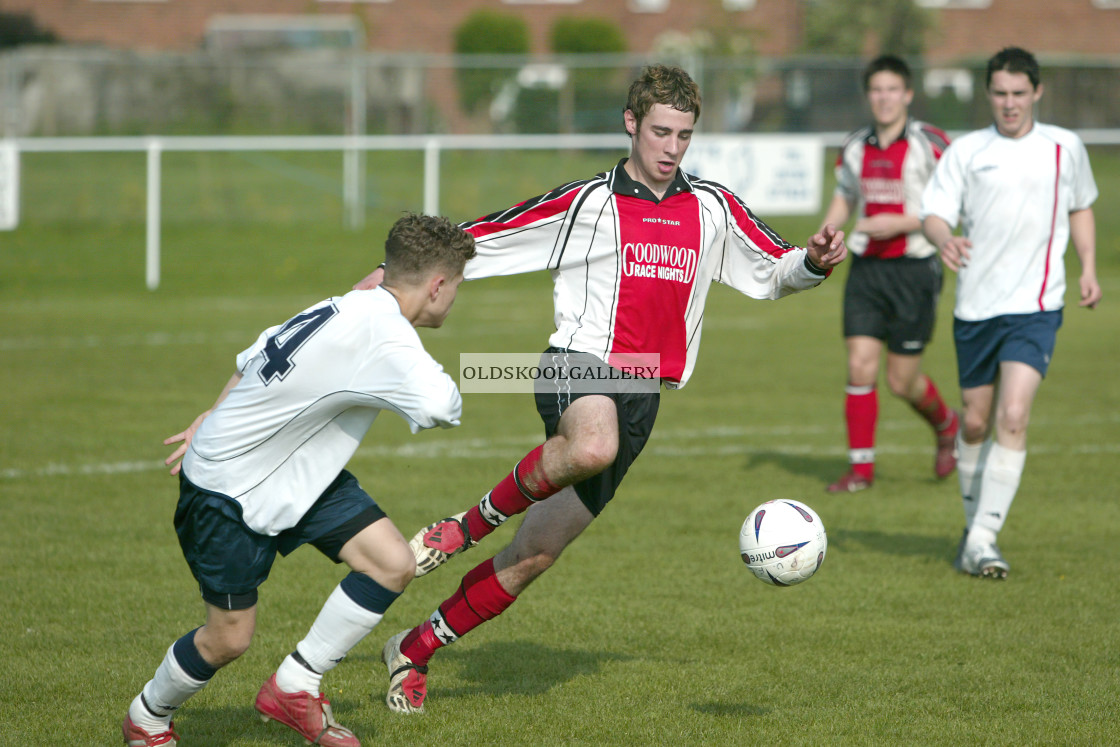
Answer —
(894, 300)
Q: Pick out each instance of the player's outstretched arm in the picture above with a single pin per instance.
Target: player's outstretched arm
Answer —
(888, 225)
(826, 247)
(184, 438)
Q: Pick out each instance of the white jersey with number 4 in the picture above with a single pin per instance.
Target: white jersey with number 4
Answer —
(310, 390)
(1012, 198)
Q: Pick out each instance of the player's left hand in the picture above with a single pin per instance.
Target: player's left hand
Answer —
(371, 281)
(881, 226)
(826, 247)
(184, 441)
(1090, 291)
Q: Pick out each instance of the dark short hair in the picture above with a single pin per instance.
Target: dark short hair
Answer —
(420, 244)
(887, 63)
(1014, 60)
(663, 84)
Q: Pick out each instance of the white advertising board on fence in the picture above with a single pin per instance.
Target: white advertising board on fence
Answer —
(774, 174)
(9, 185)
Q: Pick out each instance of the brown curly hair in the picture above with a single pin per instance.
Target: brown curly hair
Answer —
(663, 84)
(418, 244)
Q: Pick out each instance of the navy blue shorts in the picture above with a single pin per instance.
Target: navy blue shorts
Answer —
(229, 560)
(637, 411)
(983, 345)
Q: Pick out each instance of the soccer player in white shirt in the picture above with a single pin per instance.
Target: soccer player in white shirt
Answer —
(632, 253)
(262, 472)
(1021, 190)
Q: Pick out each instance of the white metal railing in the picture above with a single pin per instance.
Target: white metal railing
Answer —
(352, 147)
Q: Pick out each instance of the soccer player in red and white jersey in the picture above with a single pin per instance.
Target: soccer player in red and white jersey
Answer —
(632, 253)
(1021, 190)
(262, 473)
(894, 279)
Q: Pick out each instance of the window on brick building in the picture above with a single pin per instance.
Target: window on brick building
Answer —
(1106, 3)
(648, 6)
(955, 3)
(738, 4)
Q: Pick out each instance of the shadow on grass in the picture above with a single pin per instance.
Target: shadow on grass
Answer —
(825, 468)
(220, 725)
(895, 543)
(519, 667)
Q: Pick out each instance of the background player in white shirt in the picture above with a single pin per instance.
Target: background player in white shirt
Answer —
(263, 472)
(894, 280)
(1021, 190)
(633, 253)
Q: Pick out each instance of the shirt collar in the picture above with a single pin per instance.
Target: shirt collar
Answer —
(873, 139)
(622, 184)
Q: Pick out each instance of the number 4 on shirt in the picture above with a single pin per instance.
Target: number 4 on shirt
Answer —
(282, 346)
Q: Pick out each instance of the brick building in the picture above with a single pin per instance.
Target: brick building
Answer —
(965, 27)
(121, 83)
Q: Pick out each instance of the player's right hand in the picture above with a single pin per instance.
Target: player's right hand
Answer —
(184, 441)
(954, 252)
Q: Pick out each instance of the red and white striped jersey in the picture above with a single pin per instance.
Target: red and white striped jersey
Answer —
(889, 179)
(631, 273)
(1012, 198)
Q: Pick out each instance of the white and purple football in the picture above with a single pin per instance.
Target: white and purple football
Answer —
(783, 542)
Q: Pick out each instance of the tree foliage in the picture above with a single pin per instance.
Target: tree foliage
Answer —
(572, 35)
(855, 27)
(487, 32)
(20, 28)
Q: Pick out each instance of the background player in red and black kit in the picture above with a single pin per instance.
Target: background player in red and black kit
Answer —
(632, 253)
(895, 277)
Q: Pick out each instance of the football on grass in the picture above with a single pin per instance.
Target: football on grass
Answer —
(783, 542)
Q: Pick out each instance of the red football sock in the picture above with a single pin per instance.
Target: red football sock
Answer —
(933, 409)
(516, 492)
(480, 597)
(861, 410)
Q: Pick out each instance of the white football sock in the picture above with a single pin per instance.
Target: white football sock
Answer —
(164, 693)
(341, 624)
(970, 467)
(998, 485)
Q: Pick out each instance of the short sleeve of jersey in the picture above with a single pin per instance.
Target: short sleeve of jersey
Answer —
(847, 180)
(944, 192)
(1085, 191)
(420, 391)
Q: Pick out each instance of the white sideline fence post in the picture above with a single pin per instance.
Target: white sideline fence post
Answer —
(431, 176)
(155, 149)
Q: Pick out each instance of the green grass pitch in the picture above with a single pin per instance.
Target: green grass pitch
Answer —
(649, 630)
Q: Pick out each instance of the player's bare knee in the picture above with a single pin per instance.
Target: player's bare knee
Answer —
(220, 647)
(900, 386)
(591, 455)
(535, 564)
(400, 568)
(975, 427)
(1014, 419)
